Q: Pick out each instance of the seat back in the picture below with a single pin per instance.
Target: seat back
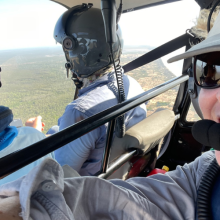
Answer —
(143, 136)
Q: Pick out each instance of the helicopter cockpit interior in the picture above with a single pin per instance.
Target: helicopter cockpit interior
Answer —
(164, 137)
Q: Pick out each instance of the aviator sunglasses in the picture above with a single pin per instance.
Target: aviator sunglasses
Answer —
(206, 74)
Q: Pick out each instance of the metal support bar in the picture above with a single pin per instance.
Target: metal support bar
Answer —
(76, 93)
(109, 139)
(181, 92)
(159, 52)
(118, 163)
(23, 157)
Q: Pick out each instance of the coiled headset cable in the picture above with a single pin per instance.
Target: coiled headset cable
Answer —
(120, 121)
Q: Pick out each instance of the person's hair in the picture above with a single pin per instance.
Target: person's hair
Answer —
(200, 28)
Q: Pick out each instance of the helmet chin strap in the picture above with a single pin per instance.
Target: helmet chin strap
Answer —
(76, 81)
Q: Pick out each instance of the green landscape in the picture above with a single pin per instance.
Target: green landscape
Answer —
(34, 82)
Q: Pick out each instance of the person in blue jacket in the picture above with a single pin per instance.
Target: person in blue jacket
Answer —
(87, 55)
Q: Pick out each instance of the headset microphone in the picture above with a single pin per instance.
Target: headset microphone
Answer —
(207, 132)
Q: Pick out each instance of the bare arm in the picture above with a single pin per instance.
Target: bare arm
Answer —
(36, 123)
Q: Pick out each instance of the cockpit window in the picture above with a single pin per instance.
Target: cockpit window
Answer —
(146, 29)
(33, 73)
(192, 116)
(149, 28)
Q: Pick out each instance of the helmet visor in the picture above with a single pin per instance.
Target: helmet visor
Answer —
(206, 74)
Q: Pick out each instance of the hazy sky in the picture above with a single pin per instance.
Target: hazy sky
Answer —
(158, 25)
(30, 23)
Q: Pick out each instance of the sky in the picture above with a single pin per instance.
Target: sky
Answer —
(30, 23)
(157, 25)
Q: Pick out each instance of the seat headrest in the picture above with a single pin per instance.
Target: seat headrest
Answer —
(141, 135)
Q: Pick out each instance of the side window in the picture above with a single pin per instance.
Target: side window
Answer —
(192, 116)
(33, 73)
(151, 75)
(144, 31)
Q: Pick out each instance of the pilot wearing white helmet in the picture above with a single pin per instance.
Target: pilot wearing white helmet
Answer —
(46, 193)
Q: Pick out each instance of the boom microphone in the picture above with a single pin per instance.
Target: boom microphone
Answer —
(207, 132)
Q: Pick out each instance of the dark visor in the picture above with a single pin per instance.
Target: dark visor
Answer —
(206, 74)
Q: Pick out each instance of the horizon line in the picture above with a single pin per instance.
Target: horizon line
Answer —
(127, 45)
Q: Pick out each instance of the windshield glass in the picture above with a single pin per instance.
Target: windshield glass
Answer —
(149, 28)
(145, 30)
(33, 65)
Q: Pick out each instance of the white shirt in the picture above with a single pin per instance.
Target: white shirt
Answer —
(45, 194)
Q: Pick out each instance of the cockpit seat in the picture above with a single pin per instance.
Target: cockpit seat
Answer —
(143, 136)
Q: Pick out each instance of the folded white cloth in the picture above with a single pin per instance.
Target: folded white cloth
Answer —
(45, 194)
